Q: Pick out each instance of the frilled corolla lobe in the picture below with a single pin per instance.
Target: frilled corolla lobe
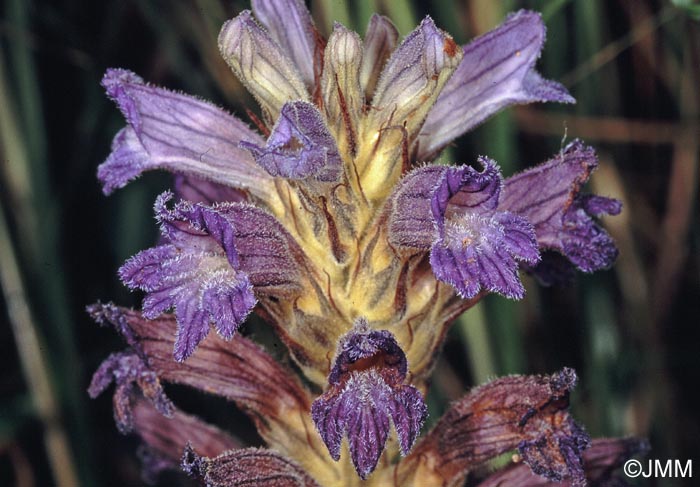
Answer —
(299, 146)
(453, 211)
(549, 197)
(207, 267)
(365, 393)
(129, 372)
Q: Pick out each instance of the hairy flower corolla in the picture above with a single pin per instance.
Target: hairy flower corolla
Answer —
(333, 225)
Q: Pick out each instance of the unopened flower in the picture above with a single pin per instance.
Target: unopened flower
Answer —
(335, 227)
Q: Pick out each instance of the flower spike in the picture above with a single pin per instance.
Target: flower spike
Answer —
(336, 216)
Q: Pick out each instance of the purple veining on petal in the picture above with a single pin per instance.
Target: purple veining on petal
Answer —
(300, 146)
(412, 222)
(497, 71)
(409, 81)
(128, 371)
(178, 133)
(548, 195)
(291, 25)
(452, 210)
(366, 393)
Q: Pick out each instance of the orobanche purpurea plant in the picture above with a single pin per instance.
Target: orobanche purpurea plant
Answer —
(332, 222)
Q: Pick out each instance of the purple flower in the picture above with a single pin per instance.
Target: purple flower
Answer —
(365, 392)
(452, 211)
(200, 270)
(560, 214)
(337, 230)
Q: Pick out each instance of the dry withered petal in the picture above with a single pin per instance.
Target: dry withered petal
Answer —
(248, 466)
(525, 412)
(238, 370)
(129, 372)
(164, 438)
(600, 462)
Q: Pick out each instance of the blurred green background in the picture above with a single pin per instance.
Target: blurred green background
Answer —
(631, 332)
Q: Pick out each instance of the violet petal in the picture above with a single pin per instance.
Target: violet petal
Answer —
(128, 371)
(478, 252)
(178, 133)
(197, 273)
(299, 146)
(365, 395)
(412, 222)
(197, 190)
(497, 71)
(548, 195)
(290, 24)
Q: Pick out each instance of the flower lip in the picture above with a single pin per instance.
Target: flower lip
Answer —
(363, 349)
(299, 146)
(365, 396)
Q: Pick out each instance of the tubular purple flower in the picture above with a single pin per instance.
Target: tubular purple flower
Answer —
(178, 133)
(201, 269)
(560, 214)
(365, 392)
(497, 71)
(452, 210)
